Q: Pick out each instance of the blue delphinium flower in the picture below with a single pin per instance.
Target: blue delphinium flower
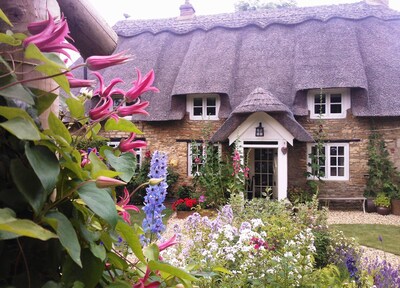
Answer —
(152, 223)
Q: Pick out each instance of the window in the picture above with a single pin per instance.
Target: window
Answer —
(328, 103)
(332, 161)
(203, 107)
(197, 155)
(138, 151)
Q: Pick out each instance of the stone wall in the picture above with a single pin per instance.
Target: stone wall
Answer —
(355, 131)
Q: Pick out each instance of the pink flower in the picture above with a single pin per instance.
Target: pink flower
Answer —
(107, 90)
(140, 86)
(202, 198)
(76, 83)
(100, 62)
(102, 108)
(137, 108)
(128, 145)
(105, 182)
(123, 206)
(172, 241)
(52, 36)
(142, 281)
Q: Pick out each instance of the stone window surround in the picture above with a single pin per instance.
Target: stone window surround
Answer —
(327, 176)
(346, 103)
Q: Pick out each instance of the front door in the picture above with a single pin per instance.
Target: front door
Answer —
(263, 166)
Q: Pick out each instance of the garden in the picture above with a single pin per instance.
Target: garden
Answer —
(67, 209)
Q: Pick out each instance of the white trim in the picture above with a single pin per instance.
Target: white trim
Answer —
(346, 165)
(204, 116)
(345, 104)
(190, 157)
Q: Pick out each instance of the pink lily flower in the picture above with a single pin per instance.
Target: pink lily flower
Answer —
(102, 108)
(76, 83)
(100, 62)
(140, 86)
(172, 241)
(37, 27)
(123, 206)
(52, 36)
(107, 90)
(105, 182)
(137, 108)
(128, 145)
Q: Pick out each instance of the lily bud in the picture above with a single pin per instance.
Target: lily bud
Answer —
(155, 181)
(105, 182)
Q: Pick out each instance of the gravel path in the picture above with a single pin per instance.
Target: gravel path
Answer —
(337, 217)
(355, 217)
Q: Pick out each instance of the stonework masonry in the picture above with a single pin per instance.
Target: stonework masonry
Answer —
(173, 137)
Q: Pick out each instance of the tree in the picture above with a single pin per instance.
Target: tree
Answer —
(252, 5)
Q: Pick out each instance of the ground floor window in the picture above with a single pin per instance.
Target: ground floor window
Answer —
(330, 162)
(138, 152)
(198, 152)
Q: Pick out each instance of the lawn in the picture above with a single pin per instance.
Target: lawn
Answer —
(369, 235)
(138, 217)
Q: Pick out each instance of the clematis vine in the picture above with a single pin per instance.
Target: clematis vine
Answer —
(107, 91)
(137, 108)
(128, 145)
(102, 109)
(95, 63)
(50, 36)
(140, 86)
(123, 207)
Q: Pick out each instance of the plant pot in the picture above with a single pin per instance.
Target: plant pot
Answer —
(383, 210)
(396, 206)
(370, 206)
(184, 214)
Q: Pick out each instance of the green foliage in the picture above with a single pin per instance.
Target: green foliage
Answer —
(299, 195)
(382, 200)
(185, 191)
(252, 5)
(382, 175)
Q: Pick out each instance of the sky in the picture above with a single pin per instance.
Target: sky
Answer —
(113, 10)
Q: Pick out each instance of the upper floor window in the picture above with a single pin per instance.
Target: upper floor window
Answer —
(331, 162)
(203, 107)
(328, 103)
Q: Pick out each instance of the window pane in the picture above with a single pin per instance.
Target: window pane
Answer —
(211, 111)
(320, 99)
(333, 171)
(333, 150)
(341, 150)
(336, 98)
(336, 109)
(211, 101)
(319, 109)
(333, 161)
(197, 111)
(341, 161)
(340, 171)
(197, 102)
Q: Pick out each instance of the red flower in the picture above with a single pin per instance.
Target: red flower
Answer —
(184, 204)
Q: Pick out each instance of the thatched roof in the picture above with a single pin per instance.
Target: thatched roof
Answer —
(284, 51)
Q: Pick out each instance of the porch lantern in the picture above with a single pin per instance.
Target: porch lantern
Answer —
(260, 130)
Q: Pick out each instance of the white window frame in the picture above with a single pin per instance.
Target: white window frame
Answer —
(190, 106)
(327, 176)
(190, 157)
(138, 152)
(345, 103)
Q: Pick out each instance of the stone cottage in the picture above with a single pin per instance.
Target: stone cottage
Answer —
(272, 79)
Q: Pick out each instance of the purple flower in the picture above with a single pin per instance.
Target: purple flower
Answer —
(152, 223)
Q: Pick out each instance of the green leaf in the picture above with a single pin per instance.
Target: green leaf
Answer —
(100, 202)
(28, 184)
(66, 233)
(117, 261)
(98, 250)
(89, 274)
(125, 163)
(119, 284)
(98, 166)
(21, 227)
(22, 129)
(18, 92)
(222, 270)
(45, 164)
(76, 107)
(5, 18)
(50, 70)
(52, 284)
(151, 252)
(43, 99)
(155, 265)
(132, 238)
(122, 125)
(10, 40)
(58, 128)
(33, 52)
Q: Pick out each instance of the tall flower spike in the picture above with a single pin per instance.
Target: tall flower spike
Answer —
(52, 36)
(155, 196)
(128, 145)
(137, 108)
(100, 62)
(140, 86)
(105, 91)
